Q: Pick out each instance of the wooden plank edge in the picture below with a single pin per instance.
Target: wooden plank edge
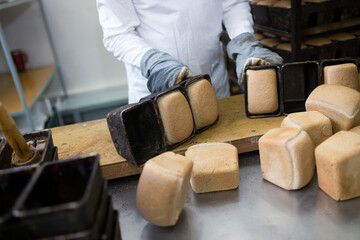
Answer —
(111, 171)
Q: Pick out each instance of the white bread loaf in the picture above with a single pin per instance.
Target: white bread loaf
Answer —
(340, 104)
(203, 103)
(163, 187)
(316, 124)
(176, 116)
(216, 167)
(342, 36)
(318, 42)
(270, 42)
(345, 74)
(355, 130)
(338, 165)
(262, 94)
(258, 36)
(287, 157)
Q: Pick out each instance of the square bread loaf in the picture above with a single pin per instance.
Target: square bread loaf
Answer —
(338, 165)
(262, 93)
(316, 124)
(287, 157)
(203, 103)
(339, 103)
(216, 167)
(176, 116)
(345, 74)
(163, 187)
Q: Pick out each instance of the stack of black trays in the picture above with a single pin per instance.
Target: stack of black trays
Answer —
(65, 199)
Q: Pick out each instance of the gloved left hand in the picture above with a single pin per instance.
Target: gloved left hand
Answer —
(162, 70)
(247, 51)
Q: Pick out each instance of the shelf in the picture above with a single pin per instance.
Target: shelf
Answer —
(13, 3)
(33, 81)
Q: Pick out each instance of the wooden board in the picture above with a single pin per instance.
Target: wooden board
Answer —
(32, 81)
(233, 127)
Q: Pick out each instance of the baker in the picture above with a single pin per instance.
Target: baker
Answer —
(164, 42)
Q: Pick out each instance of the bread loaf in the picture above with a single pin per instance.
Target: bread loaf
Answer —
(270, 42)
(345, 74)
(316, 124)
(203, 103)
(338, 165)
(318, 42)
(266, 2)
(215, 168)
(176, 116)
(262, 94)
(258, 36)
(163, 187)
(287, 157)
(342, 36)
(283, 4)
(340, 104)
(287, 46)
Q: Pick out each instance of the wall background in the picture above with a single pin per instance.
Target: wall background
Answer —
(74, 26)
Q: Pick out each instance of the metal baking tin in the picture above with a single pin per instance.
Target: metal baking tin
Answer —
(279, 111)
(329, 62)
(298, 79)
(109, 226)
(62, 197)
(47, 155)
(117, 233)
(12, 184)
(137, 130)
(186, 85)
(95, 231)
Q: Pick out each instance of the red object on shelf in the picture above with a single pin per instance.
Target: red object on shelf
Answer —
(20, 58)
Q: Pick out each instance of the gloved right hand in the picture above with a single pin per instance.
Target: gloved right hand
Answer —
(162, 70)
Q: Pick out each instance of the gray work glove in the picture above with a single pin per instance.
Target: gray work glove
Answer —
(247, 51)
(162, 70)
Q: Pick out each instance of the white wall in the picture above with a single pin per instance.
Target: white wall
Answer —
(77, 34)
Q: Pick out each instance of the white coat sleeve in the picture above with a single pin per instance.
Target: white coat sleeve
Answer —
(119, 20)
(237, 17)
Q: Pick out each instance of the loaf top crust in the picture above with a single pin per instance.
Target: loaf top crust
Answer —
(345, 74)
(270, 42)
(342, 99)
(283, 4)
(318, 42)
(342, 36)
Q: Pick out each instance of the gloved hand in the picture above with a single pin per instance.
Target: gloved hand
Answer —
(162, 70)
(247, 51)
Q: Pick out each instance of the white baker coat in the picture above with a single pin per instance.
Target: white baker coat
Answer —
(188, 30)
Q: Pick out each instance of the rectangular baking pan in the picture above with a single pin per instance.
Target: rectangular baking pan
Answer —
(61, 197)
(298, 79)
(96, 229)
(279, 111)
(137, 130)
(12, 184)
(329, 62)
(46, 156)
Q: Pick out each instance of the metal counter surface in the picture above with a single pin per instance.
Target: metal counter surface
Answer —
(256, 210)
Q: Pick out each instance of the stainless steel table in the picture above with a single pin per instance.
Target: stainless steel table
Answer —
(256, 210)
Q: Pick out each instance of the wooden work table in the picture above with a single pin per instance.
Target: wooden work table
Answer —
(94, 137)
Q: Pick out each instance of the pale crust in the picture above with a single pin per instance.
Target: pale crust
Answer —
(262, 94)
(216, 167)
(270, 42)
(287, 46)
(258, 36)
(203, 103)
(283, 4)
(287, 157)
(176, 116)
(340, 104)
(343, 36)
(163, 187)
(266, 2)
(316, 124)
(318, 42)
(338, 164)
(345, 74)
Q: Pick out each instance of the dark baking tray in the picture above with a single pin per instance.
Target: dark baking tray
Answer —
(260, 14)
(61, 197)
(329, 62)
(188, 83)
(137, 131)
(12, 183)
(96, 229)
(109, 223)
(47, 155)
(279, 111)
(298, 80)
